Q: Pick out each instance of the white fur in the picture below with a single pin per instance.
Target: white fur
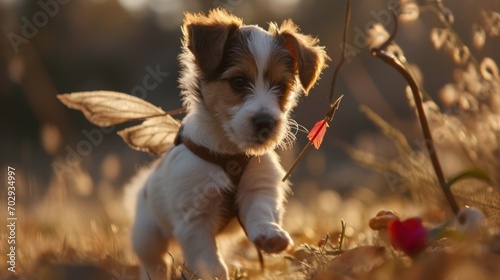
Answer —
(182, 194)
(181, 197)
(262, 99)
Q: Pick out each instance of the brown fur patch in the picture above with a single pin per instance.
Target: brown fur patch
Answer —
(215, 17)
(310, 57)
(280, 72)
(220, 97)
(243, 65)
(237, 61)
(206, 35)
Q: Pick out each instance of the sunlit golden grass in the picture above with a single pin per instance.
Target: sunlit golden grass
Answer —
(67, 236)
(69, 233)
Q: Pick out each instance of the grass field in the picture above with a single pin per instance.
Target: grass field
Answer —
(67, 236)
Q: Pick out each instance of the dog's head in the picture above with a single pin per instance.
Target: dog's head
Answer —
(247, 78)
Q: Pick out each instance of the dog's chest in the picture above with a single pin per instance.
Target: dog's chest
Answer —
(232, 168)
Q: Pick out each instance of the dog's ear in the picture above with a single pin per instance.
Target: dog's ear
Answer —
(206, 36)
(309, 57)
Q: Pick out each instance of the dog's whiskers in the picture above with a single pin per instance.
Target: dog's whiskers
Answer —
(296, 127)
(291, 135)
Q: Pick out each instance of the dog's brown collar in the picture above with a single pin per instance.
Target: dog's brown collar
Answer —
(233, 164)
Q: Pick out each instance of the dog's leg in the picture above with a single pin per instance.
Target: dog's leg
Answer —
(148, 242)
(200, 250)
(260, 200)
(260, 215)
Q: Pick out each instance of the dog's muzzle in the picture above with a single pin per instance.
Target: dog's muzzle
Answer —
(263, 125)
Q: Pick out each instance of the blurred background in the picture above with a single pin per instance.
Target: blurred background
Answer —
(49, 47)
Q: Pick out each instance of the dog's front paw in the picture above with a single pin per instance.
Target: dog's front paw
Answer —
(271, 238)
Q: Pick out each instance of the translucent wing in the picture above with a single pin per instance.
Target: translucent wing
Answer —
(107, 108)
(154, 135)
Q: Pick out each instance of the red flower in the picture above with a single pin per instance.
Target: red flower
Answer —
(317, 133)
(409, 236)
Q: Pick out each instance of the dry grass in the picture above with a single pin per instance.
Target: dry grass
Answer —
(66, 235)
(70, 237)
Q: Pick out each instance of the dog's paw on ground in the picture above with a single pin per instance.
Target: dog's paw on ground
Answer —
(271, 238)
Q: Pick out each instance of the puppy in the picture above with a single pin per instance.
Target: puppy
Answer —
(239, 84)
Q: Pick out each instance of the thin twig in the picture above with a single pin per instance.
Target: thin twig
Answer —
(322, 248)
(333, 105)
(347, 20)
(342, 235)
(429, 143)
(261, 260)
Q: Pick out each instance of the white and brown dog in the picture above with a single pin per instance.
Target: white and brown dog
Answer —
(239, 84)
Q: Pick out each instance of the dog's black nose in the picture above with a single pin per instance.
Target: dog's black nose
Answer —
(263, 125)
(263, 121)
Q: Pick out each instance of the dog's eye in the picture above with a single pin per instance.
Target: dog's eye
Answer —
(239, 83)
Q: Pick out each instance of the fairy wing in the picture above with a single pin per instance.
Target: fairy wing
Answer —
(106, 108)
(154, 135)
